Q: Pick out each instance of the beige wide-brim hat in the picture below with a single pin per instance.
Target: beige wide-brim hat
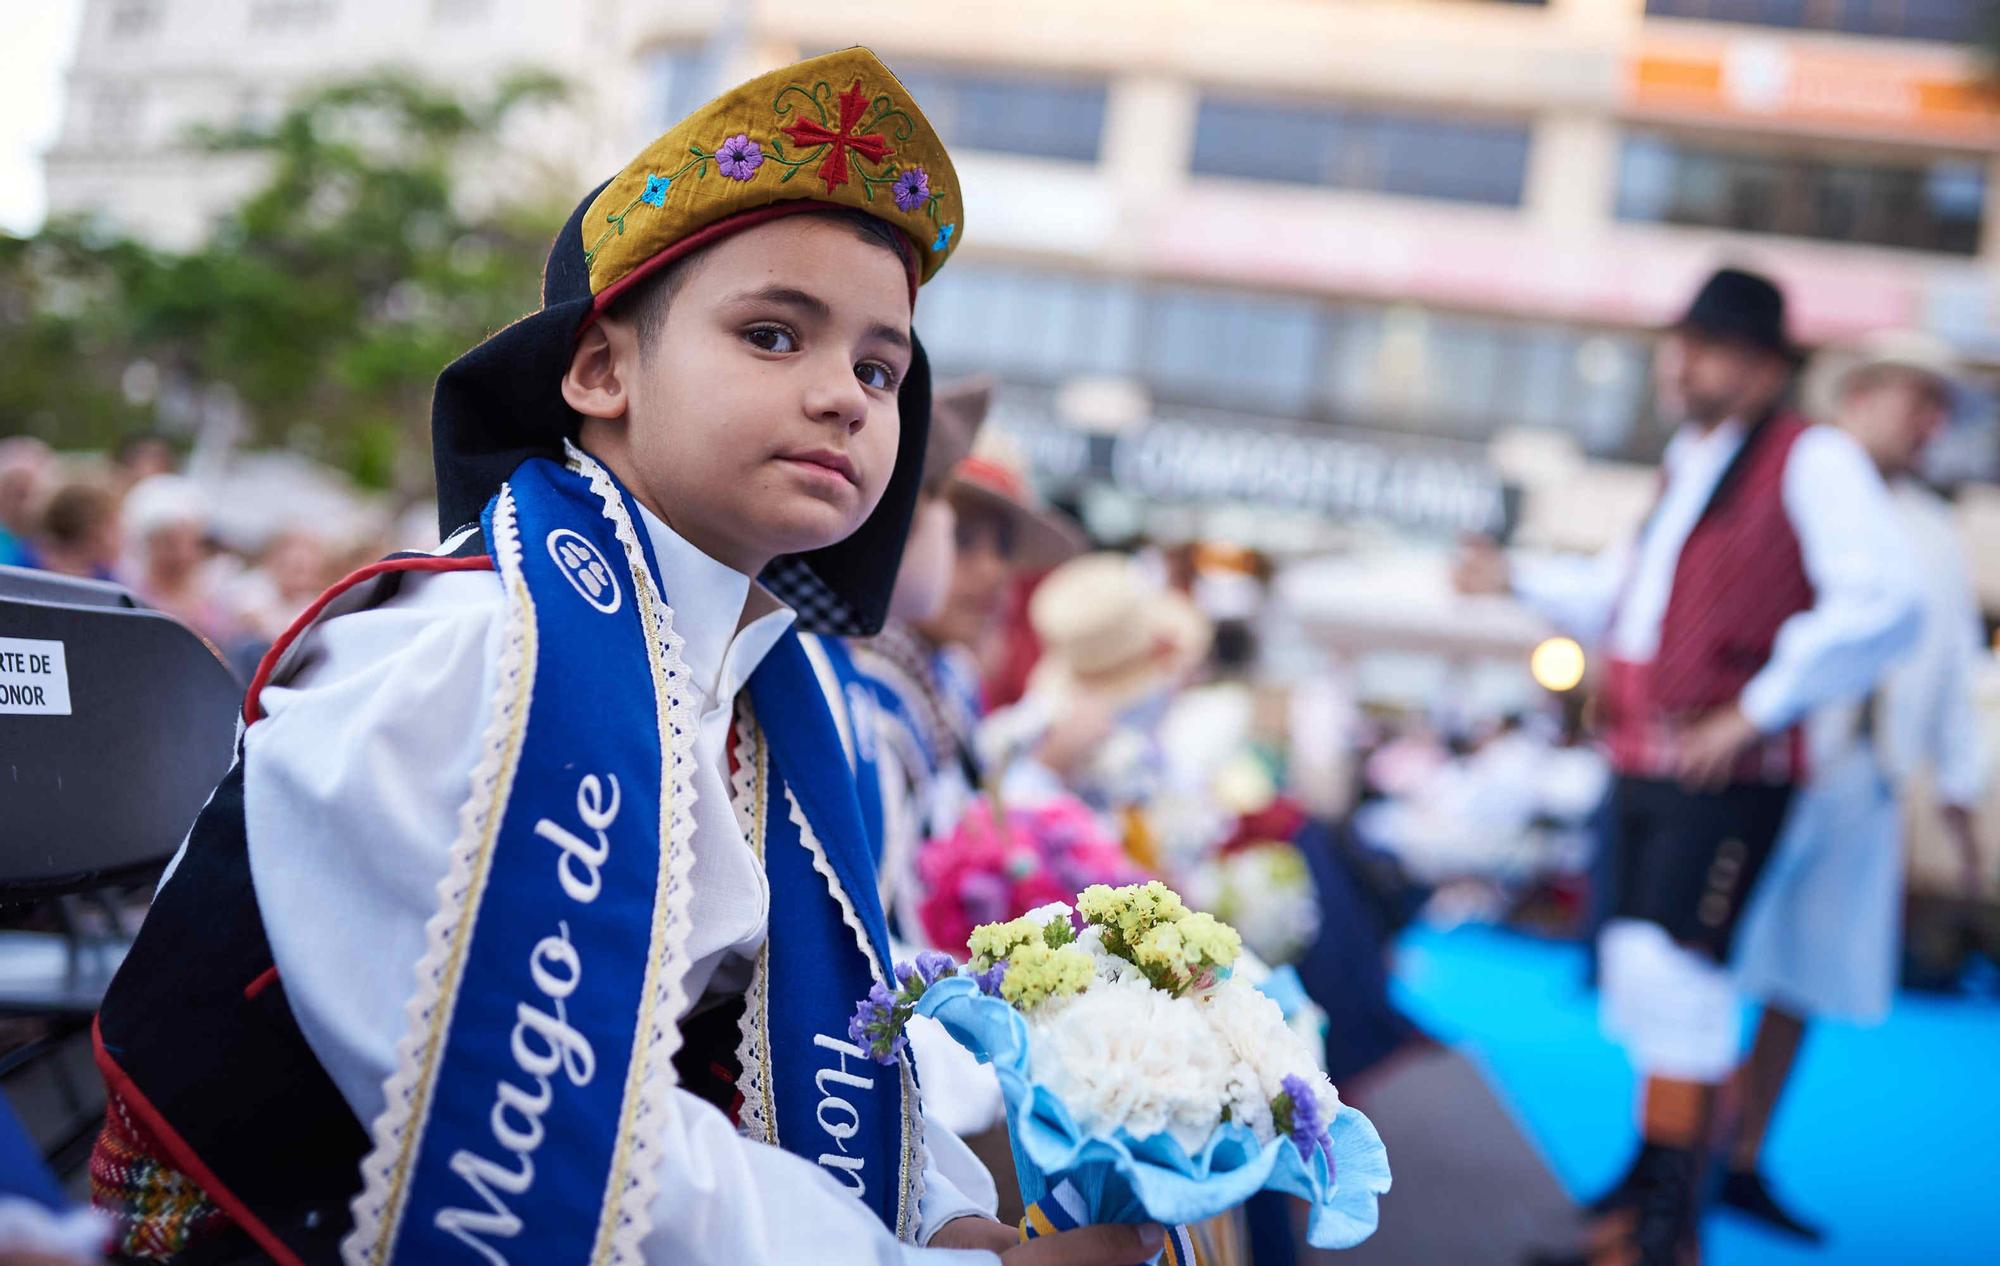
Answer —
(958, 409)
(1913, 351)
(1107, 629)
(993, 478)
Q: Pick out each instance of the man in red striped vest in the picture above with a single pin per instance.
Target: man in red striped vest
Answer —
(1764, 583)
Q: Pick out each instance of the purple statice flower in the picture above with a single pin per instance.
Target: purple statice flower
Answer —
(1308, 1127)
(876, 1027)
(989, 980)
(913, 188)
(739, 157)
(931, 966)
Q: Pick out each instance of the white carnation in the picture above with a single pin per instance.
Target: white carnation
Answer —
(1251, 1026)
(1042, 916)
(1124, 1055)
(1109, 965)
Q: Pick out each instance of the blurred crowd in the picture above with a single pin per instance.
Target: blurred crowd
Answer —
(136, 520)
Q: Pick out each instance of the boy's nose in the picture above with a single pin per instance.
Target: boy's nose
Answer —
(838, 399)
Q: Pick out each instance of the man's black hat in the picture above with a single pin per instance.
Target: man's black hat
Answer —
(1742, 307)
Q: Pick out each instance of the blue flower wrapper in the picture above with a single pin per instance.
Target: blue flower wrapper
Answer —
(1125, 1179)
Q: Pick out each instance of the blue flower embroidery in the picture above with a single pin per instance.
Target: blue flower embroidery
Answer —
(943, 237)
(656, 190)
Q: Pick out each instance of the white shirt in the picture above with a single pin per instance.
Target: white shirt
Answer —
(352, 787)
(1929, 717)
(1865, 605)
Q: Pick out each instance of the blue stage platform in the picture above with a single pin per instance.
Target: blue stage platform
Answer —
(1889, 1136)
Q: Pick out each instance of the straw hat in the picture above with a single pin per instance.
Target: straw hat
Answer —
(1912, 351)
(994, 478)
(1106, 628)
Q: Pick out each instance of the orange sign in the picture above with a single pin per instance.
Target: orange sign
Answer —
(1771, 81)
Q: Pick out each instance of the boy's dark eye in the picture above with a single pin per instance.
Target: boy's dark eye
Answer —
(771, 338)
(873, 373)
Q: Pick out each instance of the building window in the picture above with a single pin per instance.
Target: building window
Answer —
(1955, 21)
(1042, 116)
(1030, 324)
(282, 16)
(1389, 367)
(1933, 205)
(133, 19)
(117, 116)
(1232, 348)
(1367, 149)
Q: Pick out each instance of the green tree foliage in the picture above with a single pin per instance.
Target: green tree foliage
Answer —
(392, 232)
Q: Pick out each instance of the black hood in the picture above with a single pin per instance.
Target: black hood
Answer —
(501, 403)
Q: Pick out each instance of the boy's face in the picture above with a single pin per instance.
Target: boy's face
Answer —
(924, 577)
(982, 569)
(761, 417)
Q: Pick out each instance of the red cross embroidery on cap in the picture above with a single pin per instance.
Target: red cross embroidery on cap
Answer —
(870, 145)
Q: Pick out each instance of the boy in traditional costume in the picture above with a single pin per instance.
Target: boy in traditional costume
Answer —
(574, 769)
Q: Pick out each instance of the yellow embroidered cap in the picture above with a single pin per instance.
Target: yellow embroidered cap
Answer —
(834, 131)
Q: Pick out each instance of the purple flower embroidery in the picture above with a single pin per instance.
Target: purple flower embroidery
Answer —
(740, 157)
(913, 189)
(656, 190)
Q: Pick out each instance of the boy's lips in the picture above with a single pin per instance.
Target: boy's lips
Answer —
(826, 459)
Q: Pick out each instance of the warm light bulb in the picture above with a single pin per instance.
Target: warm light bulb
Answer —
(1557, 664)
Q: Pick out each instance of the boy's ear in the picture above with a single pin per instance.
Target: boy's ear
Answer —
(597, 383)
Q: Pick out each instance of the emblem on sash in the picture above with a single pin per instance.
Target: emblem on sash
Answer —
(585, 569)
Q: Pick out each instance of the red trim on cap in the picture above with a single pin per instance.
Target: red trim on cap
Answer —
(127, 1093)
(993, 477)
(251, 712)
(728, 226)
(265, 979)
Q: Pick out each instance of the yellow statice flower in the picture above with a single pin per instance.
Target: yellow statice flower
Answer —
(1177, 956)
(991, 942)
(1209, 940)
(1126, 914)
(1036, 973)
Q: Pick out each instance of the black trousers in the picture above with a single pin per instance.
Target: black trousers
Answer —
(1689, 860)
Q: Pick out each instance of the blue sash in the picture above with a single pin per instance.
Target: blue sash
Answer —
(806, 1086)
(521, 1122)
(853, 694)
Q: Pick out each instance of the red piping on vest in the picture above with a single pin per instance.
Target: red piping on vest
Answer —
(251, 712)
(265, 979)
(183, 1156)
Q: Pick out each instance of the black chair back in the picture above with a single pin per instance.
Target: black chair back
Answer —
(115, 724)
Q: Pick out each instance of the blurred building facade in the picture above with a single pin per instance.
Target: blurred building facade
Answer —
(1379, 233)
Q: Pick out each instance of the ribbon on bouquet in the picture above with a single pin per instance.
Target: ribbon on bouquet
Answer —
(1062, 1209)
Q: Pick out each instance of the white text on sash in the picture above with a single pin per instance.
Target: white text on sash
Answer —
(543, 1042)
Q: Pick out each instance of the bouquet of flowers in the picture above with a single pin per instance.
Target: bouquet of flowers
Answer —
(986, 873)
(1143, 1082)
